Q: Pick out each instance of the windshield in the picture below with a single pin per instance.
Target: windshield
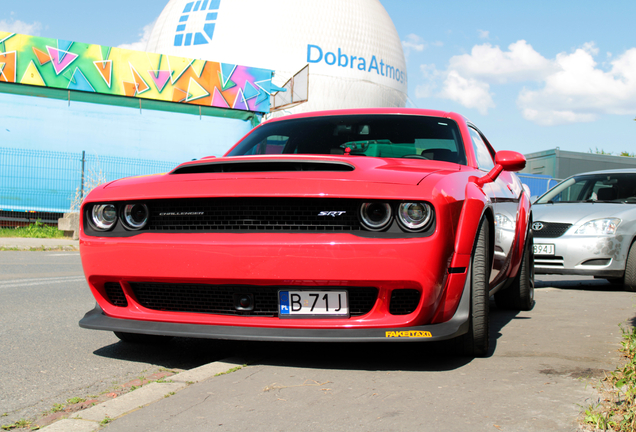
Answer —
(389, 136)
(617, 188)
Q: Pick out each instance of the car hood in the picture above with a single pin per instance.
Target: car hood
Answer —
(291, 175)
(574, 213)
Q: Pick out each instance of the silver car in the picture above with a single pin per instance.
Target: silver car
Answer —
(586, 225)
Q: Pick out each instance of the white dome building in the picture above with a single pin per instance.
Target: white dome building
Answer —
(354, 53)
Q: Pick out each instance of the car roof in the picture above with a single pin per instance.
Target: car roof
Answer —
(369, 111)
(613, 171)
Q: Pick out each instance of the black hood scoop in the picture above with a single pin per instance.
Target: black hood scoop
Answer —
(262, 166)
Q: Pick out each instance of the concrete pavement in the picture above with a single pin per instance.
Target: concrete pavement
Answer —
(536, 379)
(94, 418)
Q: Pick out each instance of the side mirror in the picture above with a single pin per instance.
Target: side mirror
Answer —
(504, 160)
(510, 160)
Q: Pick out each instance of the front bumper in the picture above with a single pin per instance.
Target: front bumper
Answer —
(602, 256)
(96, 319)
(298, 261)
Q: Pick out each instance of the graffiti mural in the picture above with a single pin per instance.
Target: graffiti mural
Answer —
(61, 64)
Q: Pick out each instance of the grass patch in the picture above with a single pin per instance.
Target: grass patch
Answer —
(234, 369)
(20, 424)
(617, 409)
(35, 230)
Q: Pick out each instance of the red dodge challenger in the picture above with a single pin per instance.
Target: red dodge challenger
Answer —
(357, 225)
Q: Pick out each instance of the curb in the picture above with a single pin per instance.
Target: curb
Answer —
(38, 244)
(41, 248)
(94, 418)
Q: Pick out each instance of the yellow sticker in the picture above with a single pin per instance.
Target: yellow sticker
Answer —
(409, 334)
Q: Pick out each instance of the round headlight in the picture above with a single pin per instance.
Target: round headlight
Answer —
(135, 216)
(375, 216)
(104, 216)
(414, 216)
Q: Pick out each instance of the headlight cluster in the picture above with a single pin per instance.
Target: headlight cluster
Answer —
(411, 216)
(599, 227)
(504, 222)
(103, 217)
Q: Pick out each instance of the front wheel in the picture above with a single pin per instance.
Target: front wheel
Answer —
(630, 270)
(475, 343)
(520, 295)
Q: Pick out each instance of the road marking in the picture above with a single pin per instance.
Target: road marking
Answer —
(40, 281)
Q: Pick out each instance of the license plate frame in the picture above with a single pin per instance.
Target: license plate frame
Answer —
(543, 249)
(319, 303)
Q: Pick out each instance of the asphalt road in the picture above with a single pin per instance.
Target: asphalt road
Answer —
(47, 358)
(536, 378)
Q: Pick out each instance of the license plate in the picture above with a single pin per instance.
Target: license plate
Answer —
(312, 304)
(543, 249)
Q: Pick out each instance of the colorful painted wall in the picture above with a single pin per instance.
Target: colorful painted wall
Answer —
(60, 64)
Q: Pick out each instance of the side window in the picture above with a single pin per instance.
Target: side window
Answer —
(484, 158)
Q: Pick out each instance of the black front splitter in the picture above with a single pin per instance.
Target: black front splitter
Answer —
(97, 320)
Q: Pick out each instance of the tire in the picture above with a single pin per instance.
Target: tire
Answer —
(475, 343)
(520, 294)
(142, 338)
(630, 269)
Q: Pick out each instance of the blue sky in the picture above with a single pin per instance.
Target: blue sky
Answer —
(532, 75)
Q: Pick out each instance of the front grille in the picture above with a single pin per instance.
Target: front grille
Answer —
(115, 294)
(253, 214)
(219, 299)
(404, 301)
(551, 230)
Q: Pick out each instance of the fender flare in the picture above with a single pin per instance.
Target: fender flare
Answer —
(476, 205)
(523, 227)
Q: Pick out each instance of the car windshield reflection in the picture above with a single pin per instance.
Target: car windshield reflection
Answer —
(387, 136)
(593, 188)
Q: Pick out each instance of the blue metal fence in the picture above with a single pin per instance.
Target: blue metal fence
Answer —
(48, 181)
(538, 183)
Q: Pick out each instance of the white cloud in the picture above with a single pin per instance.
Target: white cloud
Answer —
(570, 88)
(483, 34)
(144, 36)
(580, 91)
(17, 26)
(469, 92)
(489, 63)
(414, 42)
(431, 75)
